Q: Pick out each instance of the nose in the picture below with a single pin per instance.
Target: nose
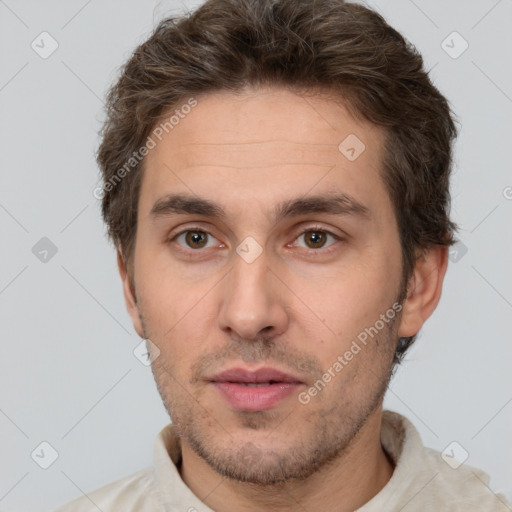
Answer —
(253, 301)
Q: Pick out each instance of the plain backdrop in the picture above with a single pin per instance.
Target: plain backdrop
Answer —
(68, 373)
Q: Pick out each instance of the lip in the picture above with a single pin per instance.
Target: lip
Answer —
(233, 387)
(265, 374)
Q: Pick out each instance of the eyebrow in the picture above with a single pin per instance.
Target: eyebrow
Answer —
(339, 204)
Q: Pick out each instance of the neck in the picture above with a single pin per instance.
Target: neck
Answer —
(344, 485)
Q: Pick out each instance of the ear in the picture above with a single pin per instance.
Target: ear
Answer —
(424, 290)
(129, 294)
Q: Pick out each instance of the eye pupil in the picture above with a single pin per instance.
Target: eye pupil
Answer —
(196, 239)
(315, 239)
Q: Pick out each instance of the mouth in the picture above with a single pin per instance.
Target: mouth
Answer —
(254, 390)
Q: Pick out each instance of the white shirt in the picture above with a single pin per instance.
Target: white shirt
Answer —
(421, 482)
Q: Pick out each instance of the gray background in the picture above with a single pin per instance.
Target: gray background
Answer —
(69, 376)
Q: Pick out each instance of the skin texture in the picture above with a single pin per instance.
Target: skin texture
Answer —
(297, 307)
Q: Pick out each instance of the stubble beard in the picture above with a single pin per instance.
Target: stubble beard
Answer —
(324, 433)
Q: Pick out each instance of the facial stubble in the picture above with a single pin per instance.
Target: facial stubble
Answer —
(324, 429)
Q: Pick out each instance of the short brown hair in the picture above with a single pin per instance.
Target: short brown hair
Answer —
(303, 44)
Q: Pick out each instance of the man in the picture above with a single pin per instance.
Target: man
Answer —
(275, 180)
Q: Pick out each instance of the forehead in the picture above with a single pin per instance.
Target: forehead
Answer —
(268, 117)
(261, 140)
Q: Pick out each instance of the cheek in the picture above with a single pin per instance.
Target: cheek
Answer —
(349, 298)
(346, 306)
(177, 315)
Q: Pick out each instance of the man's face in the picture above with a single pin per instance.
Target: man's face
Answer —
(255, 296)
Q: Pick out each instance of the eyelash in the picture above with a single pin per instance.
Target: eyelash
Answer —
(318, 229)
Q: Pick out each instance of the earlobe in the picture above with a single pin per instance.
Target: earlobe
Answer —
(130, 297)
(424, 290)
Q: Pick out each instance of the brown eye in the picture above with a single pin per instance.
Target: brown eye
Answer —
(195, 239)
(315, 239)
